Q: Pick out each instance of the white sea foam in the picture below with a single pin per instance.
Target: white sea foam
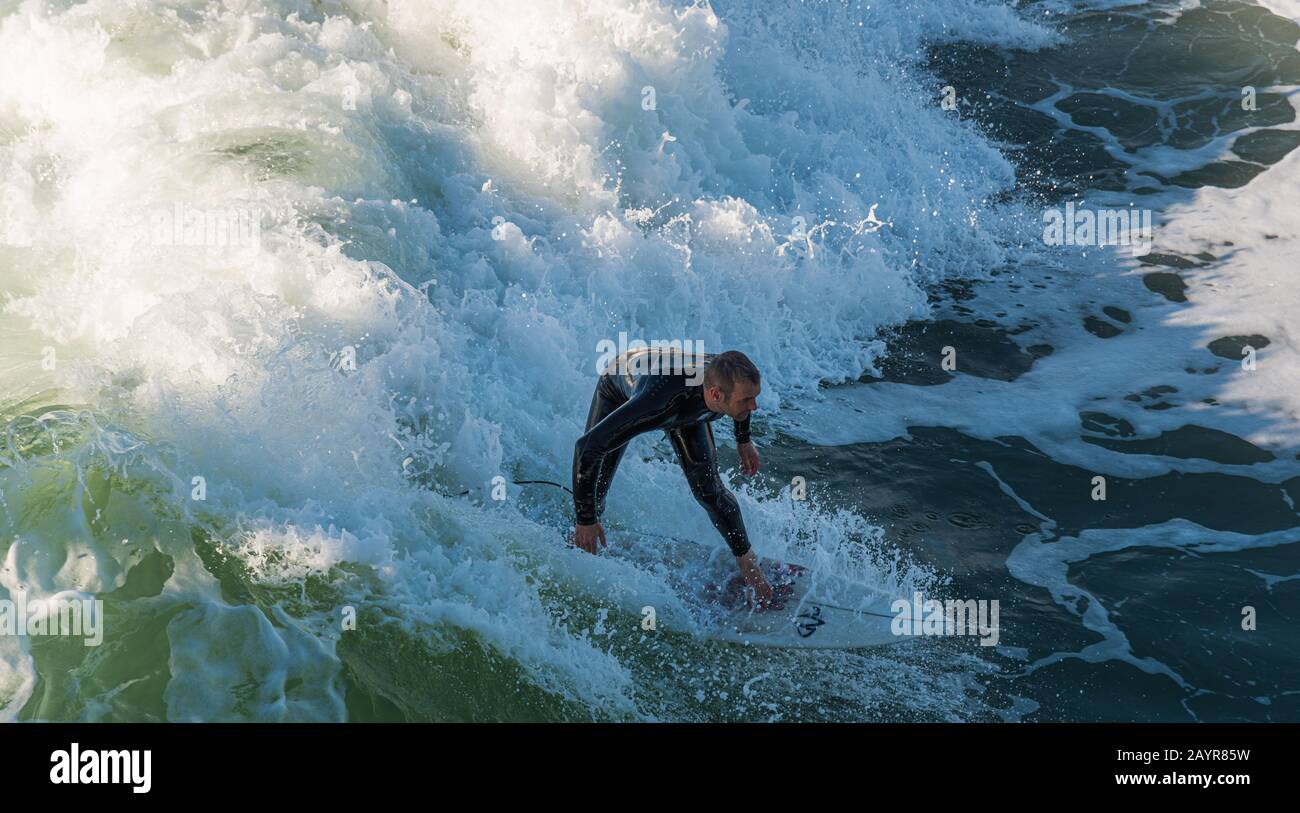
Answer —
(385, 148)
(1250, 290)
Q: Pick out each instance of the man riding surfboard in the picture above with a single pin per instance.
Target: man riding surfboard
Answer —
(682, 394)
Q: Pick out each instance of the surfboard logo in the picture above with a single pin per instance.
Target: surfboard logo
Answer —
(806, 623)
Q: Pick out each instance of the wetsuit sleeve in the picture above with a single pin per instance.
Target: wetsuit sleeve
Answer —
(638, 414)
(742, 431)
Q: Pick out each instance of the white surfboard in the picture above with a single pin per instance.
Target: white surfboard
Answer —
(807, 616)
(813, 611)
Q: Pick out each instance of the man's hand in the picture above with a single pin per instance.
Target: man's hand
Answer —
(757, 589)
(586, 537)
(748, 459)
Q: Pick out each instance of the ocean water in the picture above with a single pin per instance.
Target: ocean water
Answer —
(423, 218)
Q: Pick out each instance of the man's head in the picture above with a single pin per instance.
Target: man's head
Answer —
(732, 384)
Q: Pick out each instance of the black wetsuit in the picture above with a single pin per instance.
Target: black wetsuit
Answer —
(627, 404)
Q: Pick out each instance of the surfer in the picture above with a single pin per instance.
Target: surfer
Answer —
(682, 394)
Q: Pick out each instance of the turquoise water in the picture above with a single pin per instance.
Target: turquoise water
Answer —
(277, 454)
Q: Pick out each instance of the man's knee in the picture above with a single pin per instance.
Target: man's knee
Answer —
(707, 486)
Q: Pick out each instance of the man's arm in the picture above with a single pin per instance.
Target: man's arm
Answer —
(749, 461)
(742, 431)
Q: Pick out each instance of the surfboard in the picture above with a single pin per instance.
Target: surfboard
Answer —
(807, 615)
(812, 611)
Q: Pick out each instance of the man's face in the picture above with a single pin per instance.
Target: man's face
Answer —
(743, 400)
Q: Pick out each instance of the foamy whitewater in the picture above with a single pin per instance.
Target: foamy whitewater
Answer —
(233, 446)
